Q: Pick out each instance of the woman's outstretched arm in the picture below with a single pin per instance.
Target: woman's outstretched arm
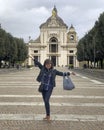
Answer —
(64, 73)
(36, 62)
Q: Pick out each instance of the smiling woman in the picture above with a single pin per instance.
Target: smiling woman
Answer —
(46, 78)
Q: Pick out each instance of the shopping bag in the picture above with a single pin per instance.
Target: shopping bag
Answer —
(67, 83)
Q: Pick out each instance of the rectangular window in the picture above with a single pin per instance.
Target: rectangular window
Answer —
(35, 51)
(71, 51)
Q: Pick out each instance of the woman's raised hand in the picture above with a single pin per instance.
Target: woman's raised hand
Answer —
(73, 73)
(31, 57)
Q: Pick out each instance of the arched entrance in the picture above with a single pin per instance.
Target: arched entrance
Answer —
(53, 50)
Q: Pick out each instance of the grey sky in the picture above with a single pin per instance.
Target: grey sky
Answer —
(22, 18)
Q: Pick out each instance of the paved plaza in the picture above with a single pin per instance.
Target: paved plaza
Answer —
(22, 108)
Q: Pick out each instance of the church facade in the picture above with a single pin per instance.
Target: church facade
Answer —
(56, 42)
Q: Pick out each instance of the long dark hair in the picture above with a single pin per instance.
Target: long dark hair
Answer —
(48, 61)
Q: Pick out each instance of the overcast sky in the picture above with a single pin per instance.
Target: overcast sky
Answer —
(22, 18)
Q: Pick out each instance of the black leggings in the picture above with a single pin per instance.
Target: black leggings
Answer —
(46, 97)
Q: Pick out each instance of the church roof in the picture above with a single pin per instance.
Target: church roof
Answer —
(54, 21)
(35, 41)
(72, 29)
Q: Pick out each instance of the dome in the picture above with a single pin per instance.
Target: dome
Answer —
(72, 29)
(54, 20)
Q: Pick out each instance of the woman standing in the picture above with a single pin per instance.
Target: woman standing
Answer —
(47, 78)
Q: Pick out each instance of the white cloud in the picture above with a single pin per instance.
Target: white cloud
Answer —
(22, 18)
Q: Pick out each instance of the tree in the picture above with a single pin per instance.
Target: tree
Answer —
(91, 46)
(12, 49)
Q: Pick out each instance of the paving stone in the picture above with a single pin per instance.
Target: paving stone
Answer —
(23, 82)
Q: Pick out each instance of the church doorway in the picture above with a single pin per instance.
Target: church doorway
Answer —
(71, 61)
(53, 58)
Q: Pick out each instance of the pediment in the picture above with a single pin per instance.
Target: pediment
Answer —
(53, 23)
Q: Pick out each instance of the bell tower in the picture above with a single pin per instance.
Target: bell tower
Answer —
(71, 35)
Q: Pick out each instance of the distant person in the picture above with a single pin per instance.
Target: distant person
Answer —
(17, 66)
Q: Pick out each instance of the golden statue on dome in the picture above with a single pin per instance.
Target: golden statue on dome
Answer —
(54, 12)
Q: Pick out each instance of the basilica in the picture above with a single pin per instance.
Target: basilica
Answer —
(56, 41)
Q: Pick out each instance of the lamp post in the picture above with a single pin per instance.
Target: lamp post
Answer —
(94, 50)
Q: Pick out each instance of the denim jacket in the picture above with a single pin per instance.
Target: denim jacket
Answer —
(54, 73)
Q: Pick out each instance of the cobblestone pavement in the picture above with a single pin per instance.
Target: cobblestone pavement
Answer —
(21, 105)
(95, 73)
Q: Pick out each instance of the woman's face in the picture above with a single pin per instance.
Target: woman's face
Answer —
(48, 66)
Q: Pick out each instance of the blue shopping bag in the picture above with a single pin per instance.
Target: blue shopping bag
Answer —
(67, 83)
